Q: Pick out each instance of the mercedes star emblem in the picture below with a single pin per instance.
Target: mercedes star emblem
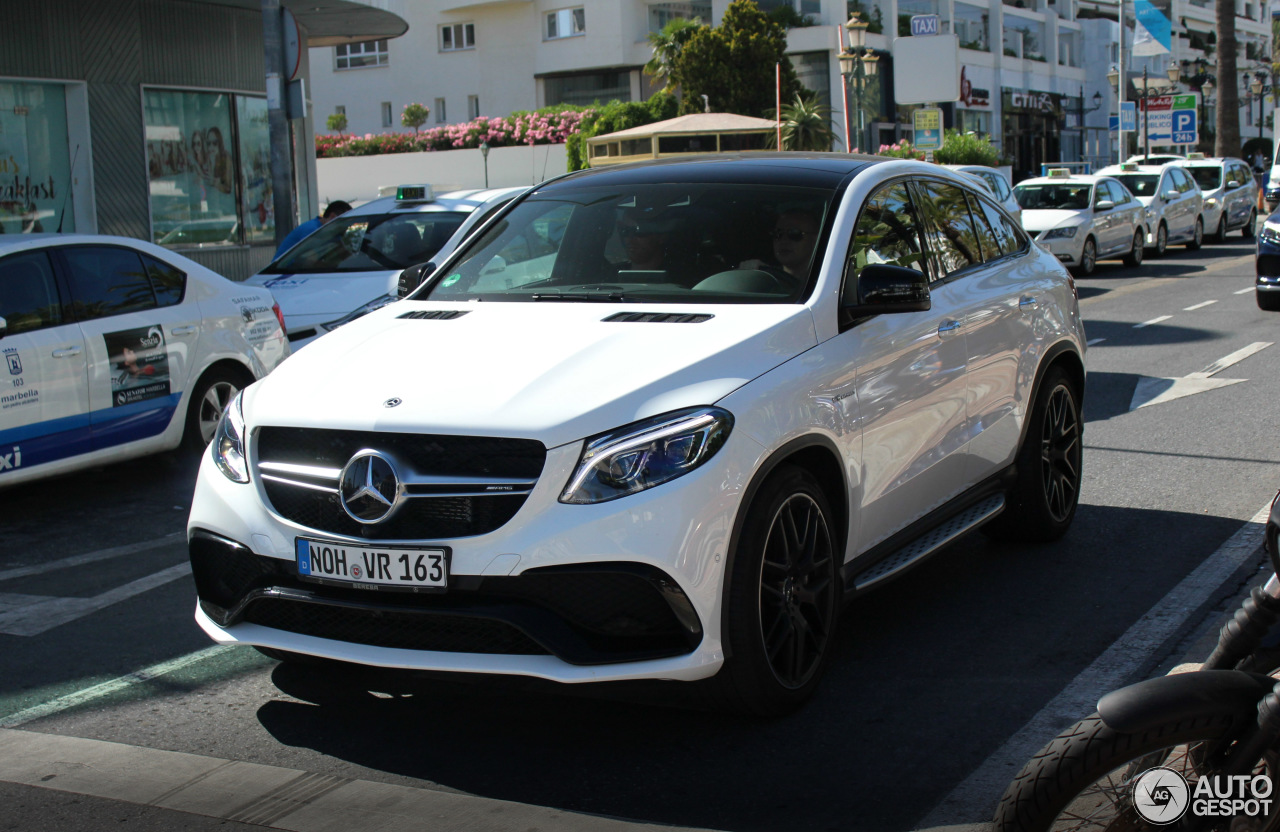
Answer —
(369, 488)
(391, 402)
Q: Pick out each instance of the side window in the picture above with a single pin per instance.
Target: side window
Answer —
(28, 294)
(1117, 193)
(1007, 234)
(167, 280)
(888, 231)
(986, 237)
(107, 281)
(1100, 193)
(1182, 181)
(952, 242)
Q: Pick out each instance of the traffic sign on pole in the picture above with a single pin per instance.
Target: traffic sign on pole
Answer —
(1173, 119)
(925, 24)
(927, 126)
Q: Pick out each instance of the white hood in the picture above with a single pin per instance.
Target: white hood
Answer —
(1042, 219)
(551, 371)
(310, 299)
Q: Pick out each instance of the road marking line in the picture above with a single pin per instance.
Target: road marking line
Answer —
(1152, 321)
(1199, 306)
(32, 619)
(1244, 291)
(1095, 341)
(1234, 358)
(97, 691)
(92, 557)
(974, 800)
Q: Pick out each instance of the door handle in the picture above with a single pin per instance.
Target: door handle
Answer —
(69, 352)
(1025, 301)
(182, 330)
(948, 326)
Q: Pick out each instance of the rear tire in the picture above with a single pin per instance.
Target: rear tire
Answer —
(1221, 235)
(1251, 227)
(1134, 257)
(783, 598)
(211, 395)
(1197, 237)
(1043, 500)
(1083, 778)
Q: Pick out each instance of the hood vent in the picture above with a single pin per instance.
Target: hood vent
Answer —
(434, 314)
(657, 318)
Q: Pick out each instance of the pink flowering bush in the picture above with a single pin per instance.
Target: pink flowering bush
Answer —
(551, 125)
(901, 150)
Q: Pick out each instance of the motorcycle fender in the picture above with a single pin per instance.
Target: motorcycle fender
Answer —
(1146, 705)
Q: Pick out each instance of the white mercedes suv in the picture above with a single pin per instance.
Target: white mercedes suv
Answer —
(655, 421)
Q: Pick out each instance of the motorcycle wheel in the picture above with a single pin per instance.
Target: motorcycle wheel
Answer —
(1083, 779)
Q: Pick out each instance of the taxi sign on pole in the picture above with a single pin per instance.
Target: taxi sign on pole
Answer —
(924, 24)
(926, 124)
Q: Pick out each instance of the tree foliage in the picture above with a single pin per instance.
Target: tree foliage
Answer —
(667, 45)
(733, 64)
(415, 115)
(806, 124)
(337, 122)
(966, 149)
(615, 116)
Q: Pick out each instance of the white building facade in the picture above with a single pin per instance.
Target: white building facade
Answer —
(1029, 68)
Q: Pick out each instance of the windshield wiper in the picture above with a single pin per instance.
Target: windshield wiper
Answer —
(612, 296)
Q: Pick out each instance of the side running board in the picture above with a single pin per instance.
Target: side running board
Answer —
(926, 545)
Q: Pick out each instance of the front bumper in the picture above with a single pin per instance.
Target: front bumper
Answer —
(1267, 265)
(1067, 249)
(627, 589)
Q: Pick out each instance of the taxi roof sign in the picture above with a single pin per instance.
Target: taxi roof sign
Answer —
(1055, 172)
(1128, 166)
(413, 193)
(1196, 155)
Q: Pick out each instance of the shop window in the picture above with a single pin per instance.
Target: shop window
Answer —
(369, 53)
(565, 23)
(660, 14)
(35, 162)
(457, 36)
(585, 88)
(253, 139)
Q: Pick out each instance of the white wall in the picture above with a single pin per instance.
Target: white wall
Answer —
(358, 178)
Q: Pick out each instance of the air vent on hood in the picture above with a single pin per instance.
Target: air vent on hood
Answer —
(434, 314)
(657, 318)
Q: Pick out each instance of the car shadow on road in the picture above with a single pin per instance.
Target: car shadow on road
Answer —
(929, 676)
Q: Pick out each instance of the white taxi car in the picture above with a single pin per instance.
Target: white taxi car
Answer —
(114, 348)
(659, 422)
(1172, 200)
(1230, 194)
(1082, 219)
(350, 265)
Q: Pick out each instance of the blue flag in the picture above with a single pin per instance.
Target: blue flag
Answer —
(1152, 33)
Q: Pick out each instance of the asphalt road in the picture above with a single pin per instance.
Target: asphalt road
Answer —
(932, 675)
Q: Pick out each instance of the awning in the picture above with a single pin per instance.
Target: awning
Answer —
(331, 22)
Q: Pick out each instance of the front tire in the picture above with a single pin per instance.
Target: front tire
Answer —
(783, 599)
(1088, 258)
(1221, 235)
(212, 393)
(1162, 240)
(1083, 779)
(1197, 238)
(1134, 257)
(1042, 502)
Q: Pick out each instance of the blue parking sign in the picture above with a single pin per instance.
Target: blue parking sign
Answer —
(1184, 127)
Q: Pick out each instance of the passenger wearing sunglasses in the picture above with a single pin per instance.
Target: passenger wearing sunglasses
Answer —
(795, 234)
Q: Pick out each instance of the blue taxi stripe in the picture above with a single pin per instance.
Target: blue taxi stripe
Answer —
(72, 435)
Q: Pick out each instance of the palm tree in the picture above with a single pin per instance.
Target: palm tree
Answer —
(1227, 123)
(667, 43)
(806, 125)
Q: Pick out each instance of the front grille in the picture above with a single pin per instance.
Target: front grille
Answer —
(585, 614)
(383, 628)
(457, 486)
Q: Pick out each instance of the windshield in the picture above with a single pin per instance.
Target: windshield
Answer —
(670, 243)
(1139, 184)
(370, 243)
(1048, 197)
(1206, 176)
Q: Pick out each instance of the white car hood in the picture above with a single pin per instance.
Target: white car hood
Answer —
(308, 299)
(555, 372)
(1035, 220)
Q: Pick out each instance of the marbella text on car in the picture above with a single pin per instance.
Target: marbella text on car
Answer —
(654, 421)
(114, 347)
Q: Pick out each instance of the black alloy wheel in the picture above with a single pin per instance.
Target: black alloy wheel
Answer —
(1162, 239)
(1060, 454)
(1134, 257)
(1088, 258)
(783, 599)
(1251, 227)
(1197, 237)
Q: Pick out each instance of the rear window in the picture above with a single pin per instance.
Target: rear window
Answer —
(370, 242)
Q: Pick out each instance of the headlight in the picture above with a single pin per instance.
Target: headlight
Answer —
(228, 443)
(646, 454)
(376, 303)
(1211, 201)
(1060, 233)
(1270, 234)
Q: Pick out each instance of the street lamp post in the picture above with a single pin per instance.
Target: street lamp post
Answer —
(1084, 133)
(484, 151)
(857, 64)
(1259, 87)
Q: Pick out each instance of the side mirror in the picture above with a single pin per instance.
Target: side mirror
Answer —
(881, 288)
(1169, 195)
(1231, 183)
(412, 277)
(4, 327)
(1104, 205)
